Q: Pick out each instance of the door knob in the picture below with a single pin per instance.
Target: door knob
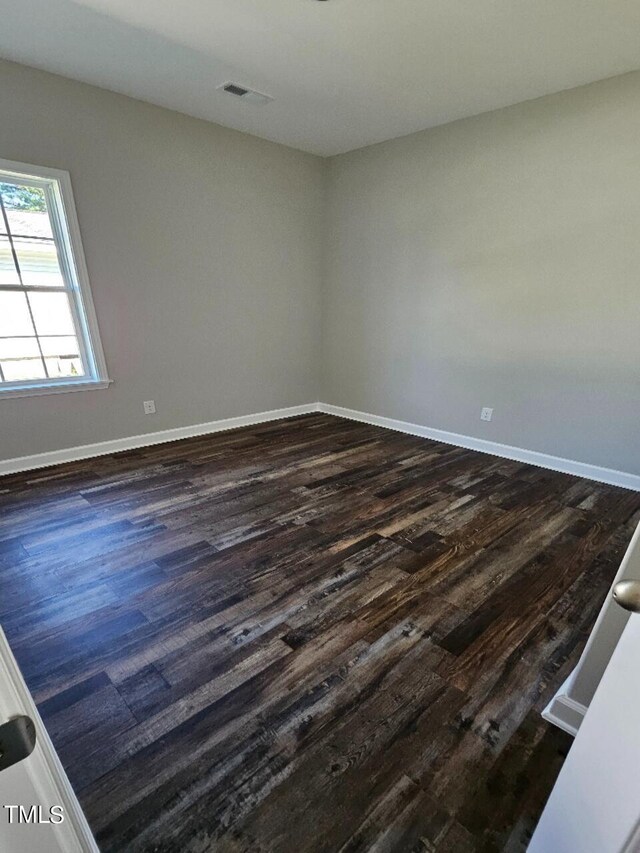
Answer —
(627, 595)
(17, 741)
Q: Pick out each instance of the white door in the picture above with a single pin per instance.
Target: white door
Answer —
(30, 789)
(595, 805)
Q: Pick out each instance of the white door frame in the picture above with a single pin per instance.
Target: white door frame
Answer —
(594, 806)
(569, 705)
(43, 766)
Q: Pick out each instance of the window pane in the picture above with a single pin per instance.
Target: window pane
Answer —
(28, 368)
(64, 366)
(62, 356)
(8, 273)
(38, 262)
(30, 228)
(28, 223)
(67, 345)
(26, 209)
(52, 313)
(19, 348)
(14, 314)
(20, 359)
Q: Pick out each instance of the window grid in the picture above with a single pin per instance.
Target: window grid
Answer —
(28, 301)
(41, 253)
(48, 344)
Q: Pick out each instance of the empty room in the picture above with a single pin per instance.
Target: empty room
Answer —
(319, 426)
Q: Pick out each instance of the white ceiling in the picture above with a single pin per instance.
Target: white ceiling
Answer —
(344, 73)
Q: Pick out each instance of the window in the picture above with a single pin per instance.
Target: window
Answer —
(48, 333)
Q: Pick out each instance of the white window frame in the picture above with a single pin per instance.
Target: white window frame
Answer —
(56, 185)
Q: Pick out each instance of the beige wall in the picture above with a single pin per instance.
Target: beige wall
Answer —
(204, 250)
(495, 262)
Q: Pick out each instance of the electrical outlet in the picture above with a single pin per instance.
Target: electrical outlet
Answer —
(149, 407)
(486, 414)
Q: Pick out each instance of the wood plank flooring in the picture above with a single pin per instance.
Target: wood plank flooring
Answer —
(309, 635)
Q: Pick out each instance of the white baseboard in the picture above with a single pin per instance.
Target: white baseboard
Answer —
(506, 451)
(565, 712)
(104, 448)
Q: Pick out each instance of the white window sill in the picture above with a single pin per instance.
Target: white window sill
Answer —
(57, 388)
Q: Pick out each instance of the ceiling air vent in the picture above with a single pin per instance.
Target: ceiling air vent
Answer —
(232, 89)
(247, 95)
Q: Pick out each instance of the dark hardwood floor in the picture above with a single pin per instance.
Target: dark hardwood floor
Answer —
(310, 635)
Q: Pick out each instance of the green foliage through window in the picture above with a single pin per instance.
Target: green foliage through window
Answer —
(23, 198)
